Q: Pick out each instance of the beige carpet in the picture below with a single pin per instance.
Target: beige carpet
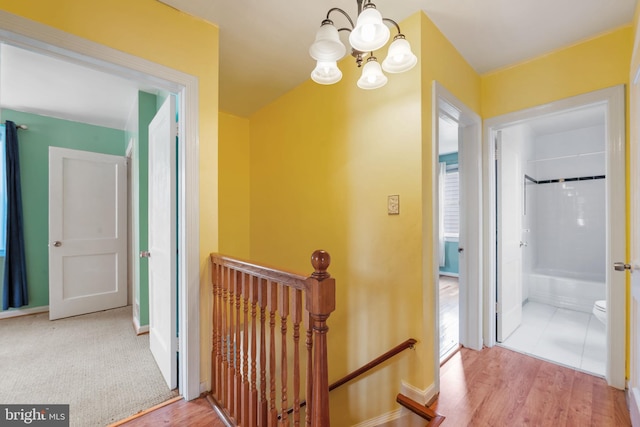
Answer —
(94, 362)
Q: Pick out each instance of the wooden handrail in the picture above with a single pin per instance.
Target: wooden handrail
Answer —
(375, 362)
(428, 414)
(294, 280)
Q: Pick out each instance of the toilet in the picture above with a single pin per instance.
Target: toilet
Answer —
(600, 311)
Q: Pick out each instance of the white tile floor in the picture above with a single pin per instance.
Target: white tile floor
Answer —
(567, 337)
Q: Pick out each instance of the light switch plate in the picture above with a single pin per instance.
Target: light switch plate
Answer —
(393, 205)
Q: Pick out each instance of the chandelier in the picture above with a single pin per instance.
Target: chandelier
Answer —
(369, 34)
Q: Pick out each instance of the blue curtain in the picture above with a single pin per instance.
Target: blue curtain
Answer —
(14, 290)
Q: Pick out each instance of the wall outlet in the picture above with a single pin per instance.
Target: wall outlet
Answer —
(393, 205)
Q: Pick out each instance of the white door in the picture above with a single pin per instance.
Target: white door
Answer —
(509, 193)
(634, 381)
(470, 260)
(87, 232)
(162, 241)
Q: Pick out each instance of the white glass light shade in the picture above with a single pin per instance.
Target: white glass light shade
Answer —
(372, 76)
(327, 46)
(399, 58)
(370, 32)
(326, 73)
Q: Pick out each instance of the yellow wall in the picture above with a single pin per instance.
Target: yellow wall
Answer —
(234, 185)
(584, 67)
(151, 30)
(323, 161)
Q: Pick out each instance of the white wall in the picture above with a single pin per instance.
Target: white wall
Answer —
(568, 218)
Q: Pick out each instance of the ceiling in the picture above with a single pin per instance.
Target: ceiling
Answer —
(264, 44)
(44, 85)
(264, 49)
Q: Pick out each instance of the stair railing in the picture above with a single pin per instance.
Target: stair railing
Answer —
(251, 364)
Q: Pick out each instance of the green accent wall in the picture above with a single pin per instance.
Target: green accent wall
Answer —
(147, 108)
(451, 259)
(34, 143)
(449, 159)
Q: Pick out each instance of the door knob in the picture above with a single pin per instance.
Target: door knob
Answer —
(460, 250)
(525, 244)
(621, 266)
(57, 243)
(145, 254)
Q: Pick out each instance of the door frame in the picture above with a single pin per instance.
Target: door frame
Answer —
(50, 41)
(470, 297)
(613, 99)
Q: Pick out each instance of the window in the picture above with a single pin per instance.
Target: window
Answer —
(451, 203)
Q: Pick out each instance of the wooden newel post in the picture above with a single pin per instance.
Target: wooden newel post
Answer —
(321, 301)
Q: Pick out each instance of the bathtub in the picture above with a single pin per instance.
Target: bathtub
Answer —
(564, 290)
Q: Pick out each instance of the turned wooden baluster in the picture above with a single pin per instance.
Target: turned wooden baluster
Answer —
(237, 381)
(253, 406)
(309, 344)
(284, 314)
(246, 291)
(214, 323)
(231, 373)
(263, 408)
(273, 307)
(296, 317)
(224, 397)
(321, 302)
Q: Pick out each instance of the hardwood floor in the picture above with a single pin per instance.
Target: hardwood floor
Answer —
(195, 413)
(493, 387)
(499, 387)
(449, 315)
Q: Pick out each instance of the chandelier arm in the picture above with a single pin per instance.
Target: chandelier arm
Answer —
(346, 15)
(394, 24)
(345, 29)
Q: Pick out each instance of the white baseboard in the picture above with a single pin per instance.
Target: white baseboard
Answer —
(381, 419)
(414, 393)
(139, 329)
(204, 388)
(449, 274)
(633, 400)
(23, 312)
(421, 396)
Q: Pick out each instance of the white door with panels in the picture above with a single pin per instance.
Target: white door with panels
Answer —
(87, 232)
(510, 193)
(162, 251)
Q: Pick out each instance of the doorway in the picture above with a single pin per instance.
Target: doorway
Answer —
(40, 38)
(551, 176)
(546, 194)
(466, 128)
(448, 235)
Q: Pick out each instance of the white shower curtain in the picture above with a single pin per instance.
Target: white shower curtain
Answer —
(441, 181)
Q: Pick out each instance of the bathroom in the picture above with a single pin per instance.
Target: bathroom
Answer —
(562, 202)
